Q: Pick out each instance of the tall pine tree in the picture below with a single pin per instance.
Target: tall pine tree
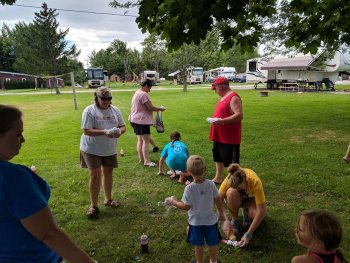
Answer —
(44, 46)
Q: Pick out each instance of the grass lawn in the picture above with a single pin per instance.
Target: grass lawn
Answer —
(293, 141)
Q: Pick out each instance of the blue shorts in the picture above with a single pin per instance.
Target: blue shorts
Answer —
(198, 234)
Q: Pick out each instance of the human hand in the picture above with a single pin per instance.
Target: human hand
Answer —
(113, 132)
(169, 200)
(162, 108)
(227, 228)
(245, 239)
(212, 120)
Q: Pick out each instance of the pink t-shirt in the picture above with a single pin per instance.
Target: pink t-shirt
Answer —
(140, 114)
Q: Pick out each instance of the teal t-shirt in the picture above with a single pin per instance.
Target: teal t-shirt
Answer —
(176, 155)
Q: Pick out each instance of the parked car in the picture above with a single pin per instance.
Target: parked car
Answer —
(240, 78)
(77, 85)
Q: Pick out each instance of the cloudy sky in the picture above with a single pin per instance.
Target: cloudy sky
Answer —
(88, 31)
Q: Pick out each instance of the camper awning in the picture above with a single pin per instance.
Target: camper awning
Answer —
(174, 73)
(296, 63)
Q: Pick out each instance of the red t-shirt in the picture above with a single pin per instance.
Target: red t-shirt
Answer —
(227, 133)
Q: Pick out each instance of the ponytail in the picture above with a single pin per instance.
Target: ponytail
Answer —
(236, 175)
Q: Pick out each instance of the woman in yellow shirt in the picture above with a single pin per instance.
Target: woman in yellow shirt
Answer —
(243, 188)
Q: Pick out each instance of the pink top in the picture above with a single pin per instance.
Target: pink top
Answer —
(140, 114)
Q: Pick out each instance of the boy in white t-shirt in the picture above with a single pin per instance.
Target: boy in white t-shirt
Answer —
(198, 199)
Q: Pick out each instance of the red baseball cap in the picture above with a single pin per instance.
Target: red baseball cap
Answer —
(219, 81)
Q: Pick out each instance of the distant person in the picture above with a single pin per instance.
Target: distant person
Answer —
(320, 233)
(102, 125)
(198, 199)
(243, 188)
(175, 154)
(226, 130)
(346, 157)
(28, 231)
(141, 118)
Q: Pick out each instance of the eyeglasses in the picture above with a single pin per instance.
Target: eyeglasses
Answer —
(105, 98)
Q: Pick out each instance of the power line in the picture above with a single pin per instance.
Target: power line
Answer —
(78, 11)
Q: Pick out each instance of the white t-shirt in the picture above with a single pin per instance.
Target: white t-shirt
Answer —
(201, 199)
(94, 117)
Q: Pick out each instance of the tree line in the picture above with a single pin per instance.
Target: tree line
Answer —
(40, 48)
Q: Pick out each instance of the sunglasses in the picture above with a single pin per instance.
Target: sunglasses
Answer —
(105, 99)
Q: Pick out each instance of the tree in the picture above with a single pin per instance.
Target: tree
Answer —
(7, 53)
(41, 48)
(304, 25)
(183, 58)
(153, 52)
(7, 2)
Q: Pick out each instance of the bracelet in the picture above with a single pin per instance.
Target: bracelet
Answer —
(248, 235)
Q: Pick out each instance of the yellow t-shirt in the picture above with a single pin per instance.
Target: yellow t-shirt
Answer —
(254, 189)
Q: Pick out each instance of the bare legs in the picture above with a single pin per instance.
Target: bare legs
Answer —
(219, 168)
(95, 184)
(142, 148)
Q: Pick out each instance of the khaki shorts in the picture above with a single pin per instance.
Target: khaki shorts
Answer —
(91, 161)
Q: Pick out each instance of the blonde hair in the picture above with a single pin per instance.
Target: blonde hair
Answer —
(196, 165)
(236, 175)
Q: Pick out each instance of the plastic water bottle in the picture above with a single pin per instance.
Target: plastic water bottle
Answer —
(144, 243)
(121, 152)
(33, 168)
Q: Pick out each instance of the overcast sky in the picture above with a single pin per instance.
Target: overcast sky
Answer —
(88, 31)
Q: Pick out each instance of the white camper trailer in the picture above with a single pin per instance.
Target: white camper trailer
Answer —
(254, 73)
(151, 75)
(227, 72)
(307, 70)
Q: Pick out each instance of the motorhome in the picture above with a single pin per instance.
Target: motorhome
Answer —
(151, 75)
(194, 75)
(227, 72)
(96, 77)
(316, 71)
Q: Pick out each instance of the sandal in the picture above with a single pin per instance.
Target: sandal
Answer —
(150, 164)
(92, 211)
(112, 203)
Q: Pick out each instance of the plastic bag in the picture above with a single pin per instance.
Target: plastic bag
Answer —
(158, 123)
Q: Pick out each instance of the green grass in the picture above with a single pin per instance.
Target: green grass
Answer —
(293, 141)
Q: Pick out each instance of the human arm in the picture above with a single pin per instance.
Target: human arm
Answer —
(151, 107)
(161, 164)
(42, 226)
(179, 204)
(260, 214)
(237, 112)
(222, 217)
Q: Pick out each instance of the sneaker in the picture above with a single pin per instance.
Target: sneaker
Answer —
(247, 221)
(235, 227)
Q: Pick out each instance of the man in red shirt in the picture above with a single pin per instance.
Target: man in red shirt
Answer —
(226, 127)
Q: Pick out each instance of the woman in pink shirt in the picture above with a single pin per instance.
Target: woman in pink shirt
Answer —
(141, 119)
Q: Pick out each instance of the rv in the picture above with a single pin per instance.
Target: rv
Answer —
(254, 73)
(96, 77)
(227, 72)
(151, 75)
(194, 75)
(314, 71)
